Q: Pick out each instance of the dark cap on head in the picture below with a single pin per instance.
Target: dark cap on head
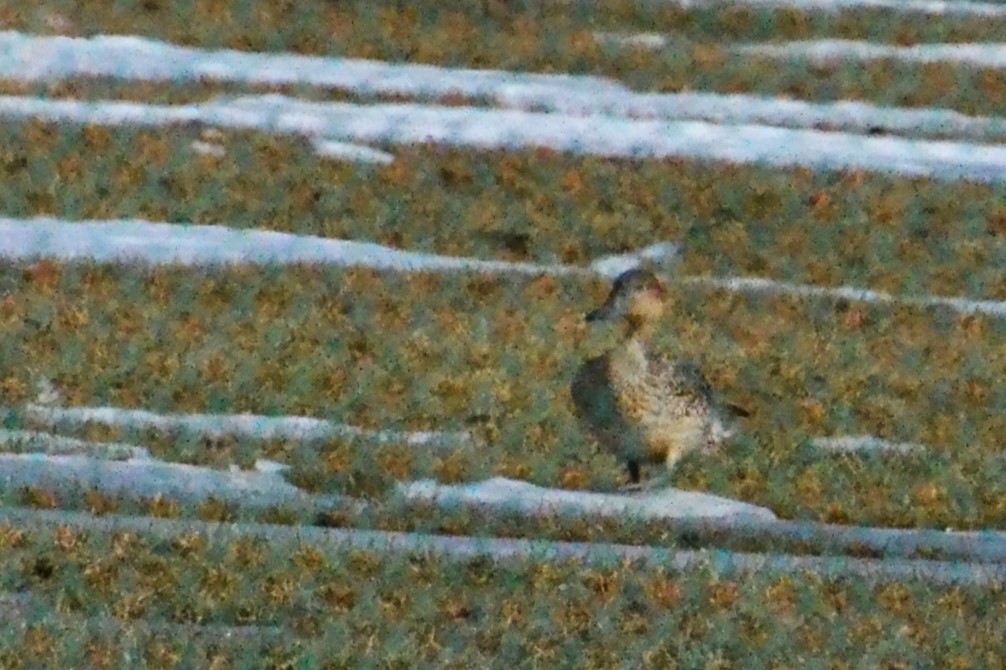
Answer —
(635, 280)
(627, 283)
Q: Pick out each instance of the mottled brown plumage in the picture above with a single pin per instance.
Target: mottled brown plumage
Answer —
(643, 407)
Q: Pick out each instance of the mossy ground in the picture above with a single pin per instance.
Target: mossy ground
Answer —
(494, 354)
(559, 38)
(348, 609)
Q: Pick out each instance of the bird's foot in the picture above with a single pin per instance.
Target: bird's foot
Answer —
(647, 486)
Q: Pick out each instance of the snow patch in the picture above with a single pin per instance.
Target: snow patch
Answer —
(351, 152)
(514, 129)
(645, 40)
(158, 243)
(249, 425)
(46, 443)
(502, 494)
(761, 285)
(37, 57)
(865, 443)
(145, 478)
(133, 240)
(931, 7)
(210, 149)
(754, 109)
(663, 256)
(28, 57)
(334, 542)
(985, 55)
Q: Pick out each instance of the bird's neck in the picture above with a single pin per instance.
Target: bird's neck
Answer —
(628, 361)
(640, 330)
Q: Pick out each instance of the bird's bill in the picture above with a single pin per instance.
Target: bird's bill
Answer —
(603, 313)
(616, 303)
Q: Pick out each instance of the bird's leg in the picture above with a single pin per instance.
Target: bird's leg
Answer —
(633, 484)
(636, 486)
(663, 479)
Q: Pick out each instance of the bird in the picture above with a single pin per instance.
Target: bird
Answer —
(643, 407)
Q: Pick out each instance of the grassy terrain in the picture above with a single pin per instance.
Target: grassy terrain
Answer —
(428, 612)
(902, 235)
(312, 25)
(554, 38)
(495, 355)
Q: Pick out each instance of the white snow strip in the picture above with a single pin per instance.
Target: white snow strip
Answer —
(760, 285)
(865, 443)
(351, 152)
(46, 443)
(210, 149)
(598, 135)
(133, 240)
(514, 129)
(249, 425)
(333, 542)
(501, 494)
(931, 7)
(145, 478)
(620, 39)
(739, 109)
(979, 54)
(986, 55)
(28, 57)
(265, 465)
(44, 57)
(662, 255)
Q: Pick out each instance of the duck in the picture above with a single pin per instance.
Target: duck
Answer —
(644, 407)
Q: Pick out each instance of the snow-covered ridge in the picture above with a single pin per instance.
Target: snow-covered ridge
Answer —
(760, 285)
(512, 129)
(354, 153)
(865, 444)
(977, 54)
(44, 57)
(501, 494)
(28, 57)
(931, 7)
(990, 55)
(147, 478)
(56, 445)
(754, 109)
(134, 240)
(333, 541)
(247, 425)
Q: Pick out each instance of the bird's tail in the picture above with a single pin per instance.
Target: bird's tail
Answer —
(720, 430)
(724, 424)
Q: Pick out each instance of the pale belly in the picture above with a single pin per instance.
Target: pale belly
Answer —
(666, 425)
(666, 429)
(671, 438)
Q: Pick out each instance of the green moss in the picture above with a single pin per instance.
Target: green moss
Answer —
(559, 39)
(494, 356)
(334, 604)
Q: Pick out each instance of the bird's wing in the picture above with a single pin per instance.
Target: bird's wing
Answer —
(679, 376)
(594, 397)
(684, 378)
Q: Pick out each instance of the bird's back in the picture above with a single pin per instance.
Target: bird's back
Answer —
(667, 402)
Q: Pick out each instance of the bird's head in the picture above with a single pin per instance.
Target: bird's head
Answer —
(637, 296)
